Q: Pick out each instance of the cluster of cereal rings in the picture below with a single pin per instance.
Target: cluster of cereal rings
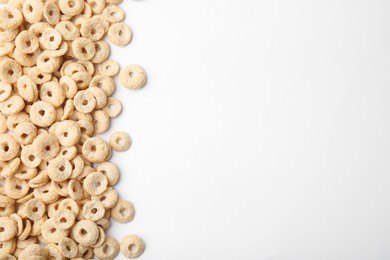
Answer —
(56, 87)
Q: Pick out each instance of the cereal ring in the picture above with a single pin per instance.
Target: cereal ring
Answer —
(68, 133)
(92, 28)
(132, 246)
(83, 48)
(42, 114)
(33, 250)
(26, 173)
(106, 83)
(68, 153)
(68, 30)
(9, 147)
(113, 14)
(27, 89)
(11, 168)
(86, 127)
(95, 183)
(8, 35)
(85, 252)
(27, 226)
(82, 79)
(47, 62)
(102, 121)
(123, 212)
(120, 34)
(85, 232)
(102, 52)
(51, 233)
(103, 223)
(78, 166)
(5, 91)
(69, 204)
(10, 70)
(19, 223)
(37, 76)
(59, 169)
(32, 11)
(75, 190)
(40, 180)
(120, 141)
(54, 252)
(46, 146)
(10, 18)
(68, 109)
(14, 120)
(27, 42)
(35, 209)
(108, 250)
(16, 188)
(111, 172)
(52, 13)
(26, 59)
(93, 210)
(96, 150)
(87, 11)
(6, 48)
(46, 193)
(69, 86)
(71, 7)
(7, 247)
(133, 77)
(113, 107)
(100, 96)
(28, 158)
(61, 188)
(8, 256)
(51, 92)
(84, 101)
(50, 39)
(108, 68)
(38, 28)
(109, 198)
(64, 219)
(12, 105)
(97, 5)
(68, 247)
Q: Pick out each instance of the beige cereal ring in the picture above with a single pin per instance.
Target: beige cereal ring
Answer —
(102, 52)
(28, 158)
(8, 35)
(10, 70)
(25, 133)
(68, 153)
(51, 12)
(85, 252)
(133, 77)
(61, 188)
(34, 250)
(22, 244)
(10, 18)
(68, 30)
(59, 169)
(32, 10)
(68, 133)
(120, 141)
(85, 232)
(92, 28)
(9, 147)
(71, 7)
(11, 168)
(38, 76)
(95, 183)
(46, 193)
(5, 91)
(123, 212)
(69, 204)
(108, 199)
(68, 247)
(68, 109)
(69, 86)
(19, 223)
(27, 89)
(111, 171)
(54, 252)
(83, 48)
(50, 39)
(108, 250)
(7, 247)
(51, 233)
(132, 246)
(86, 127)
(102, 121)
(100, 97)
(113, 14)
(47, 62)
(113, 107)
(26, 42)
(42, 114)
(46, 146)
(75, 189)
(14, 120)
(120, 34)
(8, 229)
(82, 79)
(51, 92)
(6, 48)
(106, 83)
(108, 68)
(26, 59)
(96, 150)
(38, 28)
(64, 219)
(93, 210)
(7, 257)
(13, 105)
(35, 209)
(84, 101)
(97, 5)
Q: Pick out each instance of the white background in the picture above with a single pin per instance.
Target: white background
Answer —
(263, 132)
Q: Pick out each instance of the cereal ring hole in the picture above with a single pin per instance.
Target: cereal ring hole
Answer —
(71, 3)
(63, 220)
(83, 232)
(132, 248)
(31, 157)
(2, 229)
(18, 187)
(10, 72)
(53, 230)
(35, 209)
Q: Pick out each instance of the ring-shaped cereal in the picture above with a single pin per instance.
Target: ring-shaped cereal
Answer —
(132, 246)
(133, 77)
(32, 10)
(59, 169)
(10, 18)
(26, 42)
(96, 150)
(68, 30)
(120, 34)
(9, 147)
(42, 114)
(83, 48)
(71, 7)
(46, 146)
(52, 13)
(10, 70)
(50, 39)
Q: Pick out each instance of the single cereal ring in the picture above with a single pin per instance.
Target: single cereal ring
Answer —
(68, 30)
(132, 246)
(82, 79)
(40, 180)
(85, 232)
(9, 147)
(27, 89)
(84, 101)
(86, 127)
(54, 252)
(61, 188)
(120, 141)
(14, 120)
(10, 18)
(25, 173)
(33, 250)
(106, 83)
(96, 150)
(100, 96)
(85, 252)
(97, 5)
(10, 70)
(83, 48)
(88, 66)
(8, 229)
(47, 62)
(51, 92)
(16, 188)
(68, 153)
(102, 52)
(26, 59)
(64, 219)
(38, 28)
(93, 28)
(123, 212)
(75, 190)
(87, 11)
(27, 42)
(108, 250)
(102, 121)
(93, 210)
(108, 68)
(68, 247)
(68, 133)
(78, 166)
(35, 209)
(108, 199)
(120, 34)
(111, 171)
(46, 146)
(12, 105)
(52, 13)
(133, 77)
(50, 39)
(46, 193)
(42, 114)
(59, 169)
(28, 158)
(11, 168)
(113, 14)
(37, 76)
(71, 7)
(69, 204)
(5, 91)
(104, 224)
(8, 35)
(32, 10)
(95, 183)
(7, 247)
(51, 233)
(6, 48)
(113, 107)
(69, 86)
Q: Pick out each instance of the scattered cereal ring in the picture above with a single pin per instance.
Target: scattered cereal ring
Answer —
(120, 34)
(26, 42)
(32, 10)
(133, 77)
(96, 150)
(71, 7)
(10, 18)
(113, 108)
(42, 114)
(123, 212)
(85, 232)
(10, 70)
(83, 48)
(108, 250)
(46, 146)
(35, 209)
(93, 210)
(67, 247)
(132, 246)
(113, 14)
(120, 141)
(59, 169)
(9, 147)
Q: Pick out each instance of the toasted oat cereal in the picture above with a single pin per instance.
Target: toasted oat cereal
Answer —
(133, 77)
(123, 212)
(35, 209)
(108, 250)
(95, 183)
(51, 233)
(46, 146)
(71, 7)
(52, 13)
(108, 68)
(59, 169)
(50, 39)
(113, 14)
(83, 48)
(120, 141)
(111, 172)
(10, 18)
(9, 147)
(32, 10)
(96, 150)
(8, 228)
(5, 91)
(27, 42)
(85, 232)
(10, 70)
(67, 247)
(84, 101)
(42, 114)
(120, 34)
(132, 246)
(93, 210)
